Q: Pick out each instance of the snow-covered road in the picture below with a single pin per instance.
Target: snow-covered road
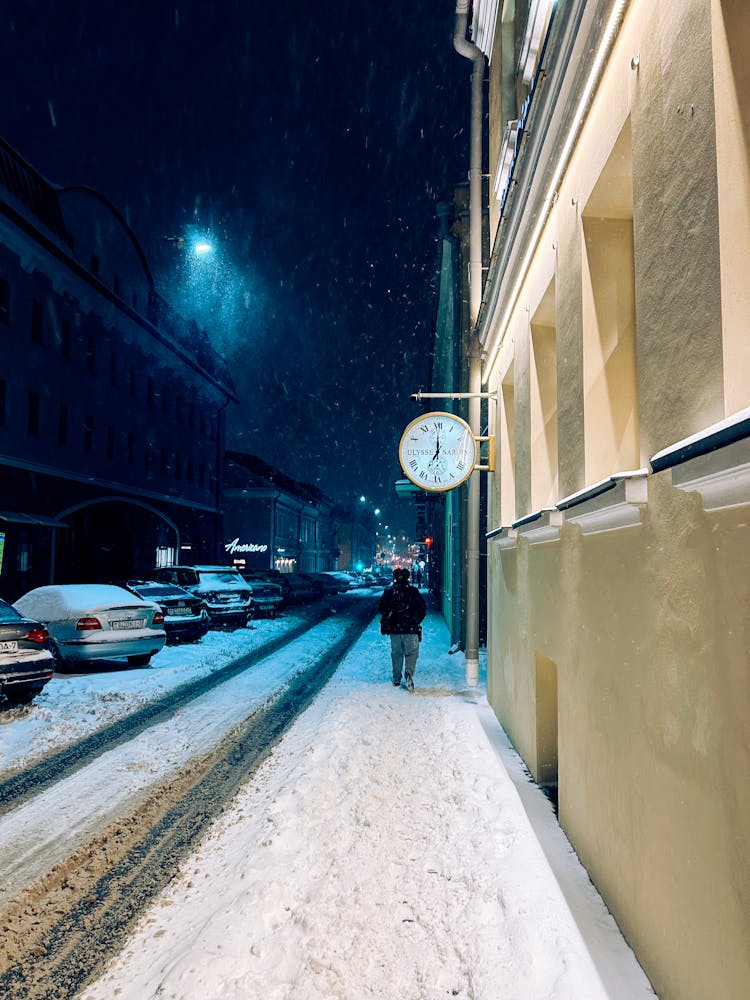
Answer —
(43, 831)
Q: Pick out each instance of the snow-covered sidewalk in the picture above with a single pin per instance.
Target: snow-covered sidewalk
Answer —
(385, 849)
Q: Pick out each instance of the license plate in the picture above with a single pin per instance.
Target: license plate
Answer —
(181, 609)
(9, 646)
(128, 623)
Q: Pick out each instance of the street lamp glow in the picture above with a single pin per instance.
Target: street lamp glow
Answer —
(202, 249)
(377, 510)
(363, 499)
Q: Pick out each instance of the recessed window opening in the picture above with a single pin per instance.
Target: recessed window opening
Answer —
(546, 726)
(609, 355)
(543, 400)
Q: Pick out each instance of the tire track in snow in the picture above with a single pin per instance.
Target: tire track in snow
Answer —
(70, 758)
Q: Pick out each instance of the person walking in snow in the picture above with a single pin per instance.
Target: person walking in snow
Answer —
(403, 609)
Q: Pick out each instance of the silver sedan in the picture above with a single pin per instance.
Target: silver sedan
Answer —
(96, 622)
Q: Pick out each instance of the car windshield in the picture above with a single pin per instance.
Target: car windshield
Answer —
(7, 613)
(220, 576)
(159, 590)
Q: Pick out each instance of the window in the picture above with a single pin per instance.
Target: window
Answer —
(94, 264)
(3, 390)
(116, 284)
(37, 334)
(191, 414)
(178, 466)
(91, 355)
(62, 424)
(179, 408)
(543, 431)
(113, 380)
(66, 337)
(131, 380)
(34, 406)
(190, 475)
(149, 391)
(131, 448)
(164, 461)
(23, 556)
(201, 475)
(4, 302)
(110, 441)
(88, 435)
(165, 400)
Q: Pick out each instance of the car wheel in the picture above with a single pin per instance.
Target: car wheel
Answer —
(22, 696)
(142, 660)
(61, 664)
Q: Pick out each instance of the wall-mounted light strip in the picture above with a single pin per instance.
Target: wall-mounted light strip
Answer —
(580, 115)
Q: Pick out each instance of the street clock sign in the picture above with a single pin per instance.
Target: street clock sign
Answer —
(438, 451)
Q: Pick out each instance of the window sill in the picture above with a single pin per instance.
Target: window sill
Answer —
(611, 504)
(722, 477)
(714, 463)
(503, 537)
(542, 526)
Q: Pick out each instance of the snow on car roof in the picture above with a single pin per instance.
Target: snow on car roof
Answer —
(66, 600)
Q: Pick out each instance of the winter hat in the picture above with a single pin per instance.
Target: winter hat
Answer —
(400, 574)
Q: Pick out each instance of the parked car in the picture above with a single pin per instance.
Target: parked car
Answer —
(299, 590)
(96, 621)
(26, 663)
(343, 580)
(227, 596)
(268, 596)
(185, 616)
(328, 586)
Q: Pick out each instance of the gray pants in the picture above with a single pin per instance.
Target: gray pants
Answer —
(404, 652)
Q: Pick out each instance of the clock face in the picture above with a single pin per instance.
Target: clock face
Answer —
(438, 451)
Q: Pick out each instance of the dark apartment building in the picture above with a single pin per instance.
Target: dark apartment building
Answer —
(111, 404)
(273, 521)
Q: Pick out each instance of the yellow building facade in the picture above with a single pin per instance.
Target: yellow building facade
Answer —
(615, 328)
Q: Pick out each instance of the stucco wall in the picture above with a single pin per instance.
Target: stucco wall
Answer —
(642, 633)
(650, 631)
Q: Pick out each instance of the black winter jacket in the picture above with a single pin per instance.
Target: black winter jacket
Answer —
(403, 608)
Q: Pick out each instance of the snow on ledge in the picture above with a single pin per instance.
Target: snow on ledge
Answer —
(541, 526)
(610, 504)
(718, 435)
(714, 463)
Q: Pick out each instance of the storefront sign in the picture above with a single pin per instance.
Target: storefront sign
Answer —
(238, 546)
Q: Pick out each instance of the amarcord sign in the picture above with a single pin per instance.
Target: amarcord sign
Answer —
(238, 546)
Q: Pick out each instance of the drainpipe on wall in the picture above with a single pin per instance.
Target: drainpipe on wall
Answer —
(470, 51)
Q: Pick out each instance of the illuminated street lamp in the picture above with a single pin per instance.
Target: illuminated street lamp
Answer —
(199, 245)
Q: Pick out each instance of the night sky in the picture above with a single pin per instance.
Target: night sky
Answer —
(312, 141)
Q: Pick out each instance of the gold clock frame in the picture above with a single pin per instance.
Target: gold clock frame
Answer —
(456, 419)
